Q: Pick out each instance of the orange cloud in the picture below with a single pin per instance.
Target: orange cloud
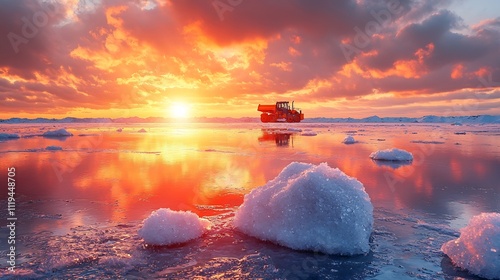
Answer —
(295, 39)
(409, 69)
(285, 66)
(482, 72)
(457, 72)
(294, 52)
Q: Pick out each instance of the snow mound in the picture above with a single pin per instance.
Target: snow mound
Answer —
(392, 154)
(166, 227)
(142, 130)
(53, 148)
(57, 133)
(309, 133)
(310, 207)
(4, 136)
(349, 140)
(478, 247)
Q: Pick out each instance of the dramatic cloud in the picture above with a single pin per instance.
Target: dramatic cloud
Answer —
(115, 58)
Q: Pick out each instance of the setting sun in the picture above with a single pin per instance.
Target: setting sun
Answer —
(178, 110)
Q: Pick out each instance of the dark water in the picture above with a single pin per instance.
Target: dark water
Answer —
(78, 210)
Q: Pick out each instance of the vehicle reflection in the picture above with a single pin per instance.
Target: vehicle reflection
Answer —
(280, 137)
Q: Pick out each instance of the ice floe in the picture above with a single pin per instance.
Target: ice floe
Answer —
(167, 227)
(426, 142)
(57, 133)
(5, 136)
(310, 207)
(392, 155)
(53, 148)
(478, 247)
(142, 130)
(349, 140)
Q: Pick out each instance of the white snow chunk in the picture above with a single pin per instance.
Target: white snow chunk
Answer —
(166, 227)
(392, 154)
(53, 148)
(4, 136)
(309, 133)
(310, 207)
(478, 247)
(349, 140)
(142, 130)
(57, 133)
(294, 129)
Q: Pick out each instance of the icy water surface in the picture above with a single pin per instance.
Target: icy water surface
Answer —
(78, 209)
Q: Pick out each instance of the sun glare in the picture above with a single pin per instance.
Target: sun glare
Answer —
(179, 110)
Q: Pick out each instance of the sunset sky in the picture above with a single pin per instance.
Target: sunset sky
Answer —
(220, 58)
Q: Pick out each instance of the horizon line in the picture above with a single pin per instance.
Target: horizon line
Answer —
(374, 118)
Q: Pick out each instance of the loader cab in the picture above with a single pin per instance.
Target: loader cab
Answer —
(283, 106)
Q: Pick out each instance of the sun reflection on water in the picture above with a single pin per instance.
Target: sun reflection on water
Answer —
(128, 174)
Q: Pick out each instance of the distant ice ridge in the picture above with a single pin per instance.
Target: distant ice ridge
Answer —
(53, 148)
(373, 119)
(57, 133)
(4, 136)
(478, 247)
(349, 140)
(167, 227)
(392, 155)
(310, 207)
(479, 119)
(426, 119)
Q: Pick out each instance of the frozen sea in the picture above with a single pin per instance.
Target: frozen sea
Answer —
(79, 208)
